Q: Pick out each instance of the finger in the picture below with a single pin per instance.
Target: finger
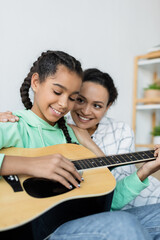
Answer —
(68, 176)
(12, 118)
(72, 169)
(156, 146)
(62, 180)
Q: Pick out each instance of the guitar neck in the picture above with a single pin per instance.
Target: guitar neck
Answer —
(115, 160)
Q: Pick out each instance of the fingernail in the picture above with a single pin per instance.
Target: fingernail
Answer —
(70, 186)
(12, 119)
(82, 178)
(5, 120)
(17, 118)
(78, 185)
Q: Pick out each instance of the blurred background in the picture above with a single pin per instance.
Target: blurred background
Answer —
(106, 34)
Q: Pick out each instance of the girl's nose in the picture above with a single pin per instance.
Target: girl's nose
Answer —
(63, 102)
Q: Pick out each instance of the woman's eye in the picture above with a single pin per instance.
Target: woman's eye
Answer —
(97, 106)
(79, 100)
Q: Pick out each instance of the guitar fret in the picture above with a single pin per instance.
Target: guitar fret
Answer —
(93, 162)
(149, 154)
(130, 156)
(88, 163)
(77, 165)
(112, 160)
(143, 155)
(82, 164)
(99, 162)
(103, 161)
(121, 158)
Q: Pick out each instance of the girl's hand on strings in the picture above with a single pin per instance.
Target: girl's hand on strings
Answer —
(55, 167)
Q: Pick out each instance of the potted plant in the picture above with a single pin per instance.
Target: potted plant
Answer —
(156, 134)
(152, 91)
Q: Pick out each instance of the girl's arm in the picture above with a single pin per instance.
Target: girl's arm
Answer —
(53, 167)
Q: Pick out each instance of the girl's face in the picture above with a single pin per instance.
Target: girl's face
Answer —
(56, 96)
(90, 106)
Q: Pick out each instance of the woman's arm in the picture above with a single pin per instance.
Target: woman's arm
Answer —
(85, 139)
(8, 117)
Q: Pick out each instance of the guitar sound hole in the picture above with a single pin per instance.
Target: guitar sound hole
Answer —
(43, 188)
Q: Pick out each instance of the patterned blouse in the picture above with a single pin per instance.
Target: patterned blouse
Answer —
(115, 137)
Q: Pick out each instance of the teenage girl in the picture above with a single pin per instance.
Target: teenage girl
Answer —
(56, 79)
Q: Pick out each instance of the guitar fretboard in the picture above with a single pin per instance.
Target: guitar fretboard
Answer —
(115, 160)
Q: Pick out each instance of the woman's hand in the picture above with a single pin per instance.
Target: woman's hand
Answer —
(151, 167)
(85, 139)
(54, 167)
(8, 117)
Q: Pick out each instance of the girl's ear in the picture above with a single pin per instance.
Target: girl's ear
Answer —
(35, 81)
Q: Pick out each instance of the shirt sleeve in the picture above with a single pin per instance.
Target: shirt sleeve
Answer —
(9, 137)
(1, 159)
(127, 189)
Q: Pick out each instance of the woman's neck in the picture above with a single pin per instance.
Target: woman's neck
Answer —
(92, 130)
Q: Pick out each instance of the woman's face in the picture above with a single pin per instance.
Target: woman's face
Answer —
(90, 106)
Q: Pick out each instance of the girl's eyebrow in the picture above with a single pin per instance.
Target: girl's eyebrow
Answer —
(64, 88)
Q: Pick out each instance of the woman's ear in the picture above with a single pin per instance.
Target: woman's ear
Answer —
(107, 108)
(35, 81)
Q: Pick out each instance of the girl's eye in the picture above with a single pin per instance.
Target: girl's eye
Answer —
(57, 93)
(72, 99)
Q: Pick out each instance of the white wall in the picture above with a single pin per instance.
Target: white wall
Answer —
(106, 34)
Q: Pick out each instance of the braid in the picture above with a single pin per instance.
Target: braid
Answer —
(46, 65)
(24, 90)
(62, 126)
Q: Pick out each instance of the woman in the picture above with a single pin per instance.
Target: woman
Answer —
(97, 95)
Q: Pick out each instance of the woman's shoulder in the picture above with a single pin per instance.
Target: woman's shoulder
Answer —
(111, 123)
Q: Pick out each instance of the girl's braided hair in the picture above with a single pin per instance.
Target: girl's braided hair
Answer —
(46, 65)
(104, 79)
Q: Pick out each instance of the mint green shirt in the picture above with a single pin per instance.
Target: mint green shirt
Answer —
(33, 132)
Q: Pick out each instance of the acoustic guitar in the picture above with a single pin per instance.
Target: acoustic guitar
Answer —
(25, 200)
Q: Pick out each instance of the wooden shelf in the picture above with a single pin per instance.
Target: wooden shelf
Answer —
(148, 100)
(150, 55)
(144, 145)
(147, 67)
(148, 107)
(142, 62)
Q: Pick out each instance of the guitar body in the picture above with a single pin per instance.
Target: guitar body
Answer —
(19, 209)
